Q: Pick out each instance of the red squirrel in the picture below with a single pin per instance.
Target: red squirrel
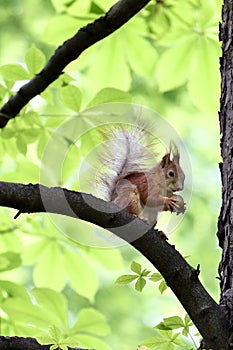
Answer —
(128, 181)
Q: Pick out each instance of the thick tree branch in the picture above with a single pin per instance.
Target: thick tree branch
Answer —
(225, 222)
(19, 343)
(71, 49)
(179, 275)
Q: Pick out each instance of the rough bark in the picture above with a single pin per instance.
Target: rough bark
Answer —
(225, 223)
(179, 275)
(71, 49)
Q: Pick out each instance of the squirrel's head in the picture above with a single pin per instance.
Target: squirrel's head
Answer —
(173, 174)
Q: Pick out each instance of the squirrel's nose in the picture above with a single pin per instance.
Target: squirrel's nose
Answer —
(180, 187)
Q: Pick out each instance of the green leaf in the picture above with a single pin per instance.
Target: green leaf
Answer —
(9, 261)
(55, 333)
(57, 338)
(91, 321)
(155, 277)
(100, 56)
(158, 21)
(54, 302)
(174, 64)
(72, 7)
(165, 340)
(43, 140)
(71, 341)
(170, 323)
(176, 339)
(63, 347)
(48, 96)
(109, 258)
(208, 16)
(44, 339)
(71, 97)
(35, 60)
(187, 323)
(82, 276)
(13, 72)
(30, 135)
(53, 347)
(136, 267)
(96, 9)
(162, 327)
(91, 342)
(140, 284)
(32, 252)
(14, 290)
(126, 279)
(3, 91)
(21, 144)
(187, 320)
(204, 82)
(149, 342)
(107, 95)
(185, 331)
(145, 272)
(7, 133)
(25, 171)
(32, 119)
(60, 28)
(50, 270)
(162, 286)
(105, 5)
(173, 322)
(123, 62)
(155, 342)
(136, 38)
(24, 312)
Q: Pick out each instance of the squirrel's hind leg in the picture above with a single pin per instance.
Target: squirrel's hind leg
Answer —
(127, 197)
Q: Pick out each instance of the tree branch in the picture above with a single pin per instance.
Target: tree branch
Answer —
(71, 49)
(19, 343)
(225, 221)
(179, 275)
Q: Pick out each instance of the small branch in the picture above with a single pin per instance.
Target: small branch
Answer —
(19, 343)
(117, 16)
(179, 275)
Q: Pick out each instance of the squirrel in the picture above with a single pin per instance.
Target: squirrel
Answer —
(134, 186)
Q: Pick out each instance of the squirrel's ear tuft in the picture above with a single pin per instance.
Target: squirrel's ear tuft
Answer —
(176, 158)
(165, 160)
(175, 152)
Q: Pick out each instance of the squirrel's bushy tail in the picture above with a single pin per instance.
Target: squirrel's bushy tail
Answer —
(127, 149)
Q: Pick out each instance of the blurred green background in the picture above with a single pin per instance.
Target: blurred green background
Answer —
(167, 59)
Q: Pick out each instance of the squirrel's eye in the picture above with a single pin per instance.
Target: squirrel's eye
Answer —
(171, 173)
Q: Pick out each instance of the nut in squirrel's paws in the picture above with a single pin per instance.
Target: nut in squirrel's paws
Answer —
(176, 204)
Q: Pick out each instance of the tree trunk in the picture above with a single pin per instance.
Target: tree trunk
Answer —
(225, 223)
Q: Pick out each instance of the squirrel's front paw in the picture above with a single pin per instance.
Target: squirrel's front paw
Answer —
(176, 204)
